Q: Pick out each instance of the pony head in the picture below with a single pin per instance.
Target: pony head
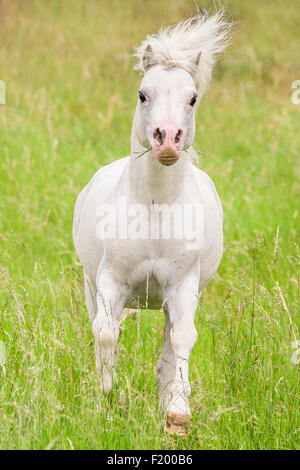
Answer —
(177, 63)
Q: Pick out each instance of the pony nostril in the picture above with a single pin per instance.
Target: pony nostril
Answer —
(159, 135)
(178, 136)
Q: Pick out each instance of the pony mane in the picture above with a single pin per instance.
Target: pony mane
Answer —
(194, 45)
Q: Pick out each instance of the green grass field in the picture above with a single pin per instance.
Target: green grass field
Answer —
(70, 98)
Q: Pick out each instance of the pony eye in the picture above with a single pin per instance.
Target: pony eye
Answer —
(193, 100)
(142, 97)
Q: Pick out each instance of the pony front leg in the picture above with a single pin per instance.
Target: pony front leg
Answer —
(111, 297)
(182, 305)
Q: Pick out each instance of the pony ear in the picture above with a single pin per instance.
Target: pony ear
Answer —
(147, 59)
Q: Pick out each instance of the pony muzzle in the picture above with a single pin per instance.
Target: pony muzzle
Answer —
(167, 144)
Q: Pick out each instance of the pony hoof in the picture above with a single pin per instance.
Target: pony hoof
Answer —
(177, 424)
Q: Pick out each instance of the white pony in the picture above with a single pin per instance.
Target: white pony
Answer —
(133, 268)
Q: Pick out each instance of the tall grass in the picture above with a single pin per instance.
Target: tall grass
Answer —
(71, 94)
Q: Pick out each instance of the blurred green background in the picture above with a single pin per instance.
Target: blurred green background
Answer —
(70, 99)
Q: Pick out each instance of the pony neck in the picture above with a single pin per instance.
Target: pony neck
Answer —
(150, 180)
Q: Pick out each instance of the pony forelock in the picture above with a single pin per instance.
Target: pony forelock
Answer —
(193, 45)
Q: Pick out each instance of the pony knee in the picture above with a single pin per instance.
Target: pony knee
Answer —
(105, 333)
(183, 340)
